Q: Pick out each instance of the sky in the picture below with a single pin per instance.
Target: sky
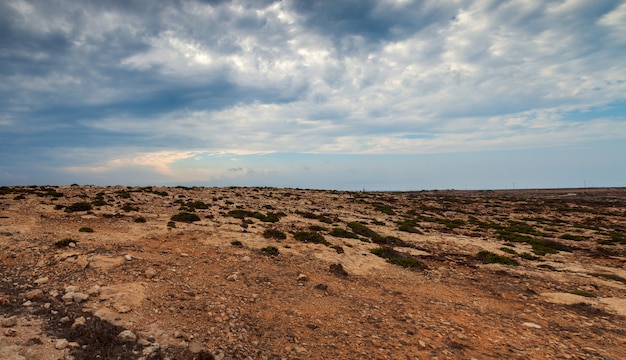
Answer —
(347, 94)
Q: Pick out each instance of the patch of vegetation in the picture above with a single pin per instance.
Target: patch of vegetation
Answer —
(85, 229)
(614, 238)
(236, 243)
(79, 206)
(140, 220)
(311, 237)
(65, 242)
(583, 293)
(547, 266)
(270, 251)
(197, 205)
(609, 277)
(385, 209)
(452, 223)
(59, 207)
(398, 258)
(129, 208)
(123, 194)
(409, 226)
(508, 250)
(185, 217)
(317, 228)
(573, 237)
(171, 224)
(338, 249)
(342, 233)
(363, 230)
(274, 234)
(310, 215)
(528, 256)
(488, 257)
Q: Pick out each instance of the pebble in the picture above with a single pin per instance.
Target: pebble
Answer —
(128, 257)
(532, 325)
(33, 294)
(79, 322)
(302, 277)
(80, 297)
(232, 277)
(246, 259)
(150, 273)
(127, 336)
(61, 344)
(10, 332)
(71, 289)
(196, 347)
(8, 322)
(41, 280)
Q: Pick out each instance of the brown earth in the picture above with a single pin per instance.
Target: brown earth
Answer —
(205, 289)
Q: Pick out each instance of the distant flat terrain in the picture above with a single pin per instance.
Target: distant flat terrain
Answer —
(268, 273)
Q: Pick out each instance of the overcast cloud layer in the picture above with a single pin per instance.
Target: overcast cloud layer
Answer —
(259, 92)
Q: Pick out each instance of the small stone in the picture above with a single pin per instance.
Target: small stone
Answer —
(150, 350)
(531, 325)
(80, 297)
(61, 344)
(41, 280)
(421, 343)
(128, 257)
(71, 288)
(232, 277)
(72, 244)
(150, 273)
(246, 259)
(181, 335)
(122, 309)
(321, 287)
(79, 322)
(33, 294)
(8, 322)
(68, 297)
(94, 290)
(64, 319)
(302, 278)
(27, 303)
(196, 347)
(127, 336)
(10, 332)
(73, 344)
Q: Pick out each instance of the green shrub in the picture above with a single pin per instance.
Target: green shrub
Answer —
(363, 230)
(573, 237)
(270, 251)
(508, 250)
(406, 262)
(79, 206)
(65, 242)
(171, 224)
(129, 208)
(86, 229)
(274, 234)
(185, 217)
(310, 236)
(491, 258)
(317, 228)
(342, 233)
(409, 227)
(398, 258)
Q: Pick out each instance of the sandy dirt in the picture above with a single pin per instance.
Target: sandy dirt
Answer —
(525, 274)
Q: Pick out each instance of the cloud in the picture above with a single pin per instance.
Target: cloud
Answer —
(167, 80)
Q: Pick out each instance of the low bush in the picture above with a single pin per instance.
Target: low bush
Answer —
(274, 234)
(65, 242)
(491, 258)
(86, 229)
(310, 236)
(342, 233)
(185, 217)
(270, 251)
(79, 206)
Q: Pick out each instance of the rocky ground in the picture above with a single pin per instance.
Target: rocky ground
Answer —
(263, 273)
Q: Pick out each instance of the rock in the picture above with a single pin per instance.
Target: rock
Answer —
(421, 343)
(150, 273)
(128, 257)
(64, 319)
(321, 287)
(122, 309)
(80, 297)
(33, 294)
(61, 344)
(10, 332)
(532, 325)
(150, 350)
(302, 278)
(94, 290)
(79, 322)
(8, 322)
(181, 335)
(127, 336)
(27, 303)
(71, 289)
(68, 297)
(246, 259)
(196, 347)
(41, 280)
(337, 270)
(232, 277)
